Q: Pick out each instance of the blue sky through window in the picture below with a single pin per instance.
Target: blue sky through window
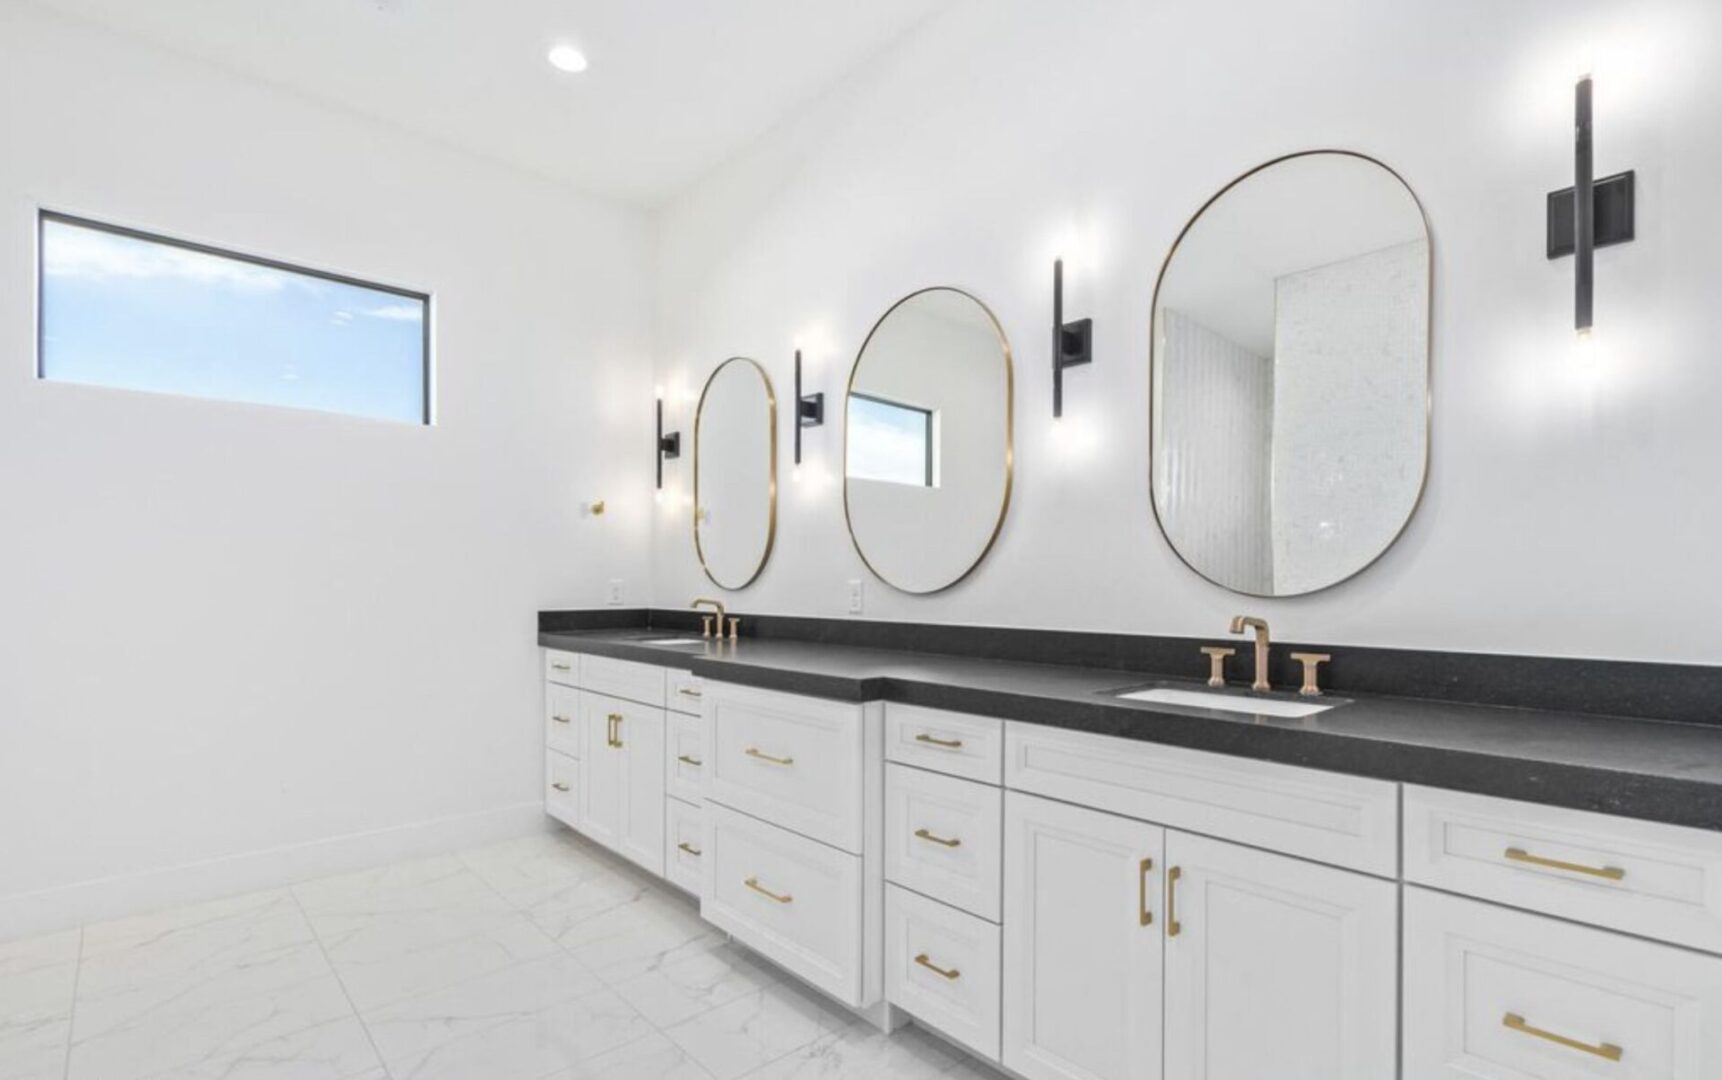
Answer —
(889, 442)
(126, 311)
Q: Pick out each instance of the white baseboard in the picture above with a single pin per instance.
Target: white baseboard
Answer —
(66, 906)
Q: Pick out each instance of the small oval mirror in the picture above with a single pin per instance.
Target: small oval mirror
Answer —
(735, 473)
(1289, 410)
(927, 440)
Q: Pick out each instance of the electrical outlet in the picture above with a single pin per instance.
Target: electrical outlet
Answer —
(616, 591)
(855, 596)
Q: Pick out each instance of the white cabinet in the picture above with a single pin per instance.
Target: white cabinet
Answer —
(1276, 967)
(942, 838)
(685, 757)
(1082, 943)
(943, 966)
(622, 759)
(1497, 994)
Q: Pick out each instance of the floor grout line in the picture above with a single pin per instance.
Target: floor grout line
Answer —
(323, 950)
(72, 1006)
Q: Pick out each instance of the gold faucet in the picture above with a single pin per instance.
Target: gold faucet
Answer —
(718, 604)
(1239, 623)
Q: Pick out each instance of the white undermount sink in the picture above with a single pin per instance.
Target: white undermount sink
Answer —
(674, 641)
(1252, 706)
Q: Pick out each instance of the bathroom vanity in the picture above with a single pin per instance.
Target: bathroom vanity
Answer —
(1074, 879)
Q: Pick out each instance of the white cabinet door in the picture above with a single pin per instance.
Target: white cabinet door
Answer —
(641, 734)
(1276, 967)
(1082, 992)
(601, 771)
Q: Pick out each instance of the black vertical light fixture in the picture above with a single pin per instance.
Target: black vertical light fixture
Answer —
(668, 446)
(1072, 342)
(809, 408)
(1591, 214)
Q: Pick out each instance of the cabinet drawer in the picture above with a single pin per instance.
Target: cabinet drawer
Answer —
(945, 837)
(561, 707)
(1660, 881)
(684, 691)
(793, 761)
(943, 967)
(1344, 820)
(1508, 995)
(792, 899)
(624, 679)
(684, 769)
(561, 667)
(956, 743)
(561, 788)
(684, 840)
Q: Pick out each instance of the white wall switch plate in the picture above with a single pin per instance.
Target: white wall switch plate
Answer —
(855, 596)
(616, 591)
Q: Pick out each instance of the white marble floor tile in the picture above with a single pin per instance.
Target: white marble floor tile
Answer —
(693, 984)
(654, 1057)
(732, 1040)
(198, 942)
(37, 976)
(629, 941)
(531, 870)
(25, 955)
(34, 1050)
(862, 1052)
(439, 875)
(379, 977)
(562, 1037)
(303, 1030)
(418, 1025)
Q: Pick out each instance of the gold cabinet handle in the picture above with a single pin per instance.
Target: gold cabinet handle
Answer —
(753, 883)
(559, 786)
(755, 752)
(614, 736)
(562, 719)
(1144, 916)
(948, 744)
(941, 841)
(686, 692)
(1606, 1051)
(945, 973)
(1611, 873)
(686, 760)
(689, 848)
(561, 667)
(1173, 926)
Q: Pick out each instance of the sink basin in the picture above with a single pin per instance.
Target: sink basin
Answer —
(1252, 706)
(674, 641)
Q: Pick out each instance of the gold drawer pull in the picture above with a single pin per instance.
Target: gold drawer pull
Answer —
(560, 786)
(753, 883)
(941, 841)
(686, 760)
(685, 692)
(689, 848)
(1173, 926)
(1612, 873)
(754, 752)
(613, 737)
(561, 667)
(946, 973)
(561, 719)
(948, 744)
(1606, 1051)
(1144, 916)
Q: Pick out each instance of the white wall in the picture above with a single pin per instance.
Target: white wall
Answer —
(226, 629)
(1571, 509)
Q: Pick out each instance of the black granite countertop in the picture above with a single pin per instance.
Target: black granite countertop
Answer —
(1655, 770)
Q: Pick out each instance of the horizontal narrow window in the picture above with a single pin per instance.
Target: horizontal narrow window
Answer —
(126, 309)
(891, 442)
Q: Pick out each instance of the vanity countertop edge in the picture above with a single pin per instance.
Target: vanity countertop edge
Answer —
(1653, 770)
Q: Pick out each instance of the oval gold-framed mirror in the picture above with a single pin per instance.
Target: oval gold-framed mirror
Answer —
(1290, 367)
(928, 451)
(735, 473)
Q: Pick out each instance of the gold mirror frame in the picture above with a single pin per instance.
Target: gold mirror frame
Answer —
(1009, 448)
(771, 522)
(1428, 368)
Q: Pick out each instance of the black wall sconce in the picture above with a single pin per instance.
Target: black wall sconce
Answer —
(1072, 342)
(668, 446)
(809, 408)
(1590, 214)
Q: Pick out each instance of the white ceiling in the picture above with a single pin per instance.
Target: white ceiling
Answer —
(675, 86)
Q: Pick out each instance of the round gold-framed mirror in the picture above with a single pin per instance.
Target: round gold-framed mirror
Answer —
(1289, 391)
(735, 473)
(928, 457)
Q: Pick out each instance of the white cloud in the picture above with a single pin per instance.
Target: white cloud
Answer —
(398, 312)
(77, 252)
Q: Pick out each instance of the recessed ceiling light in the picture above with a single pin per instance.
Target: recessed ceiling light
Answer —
(567, 58)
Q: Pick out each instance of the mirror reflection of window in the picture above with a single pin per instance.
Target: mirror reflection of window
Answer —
(891, 442)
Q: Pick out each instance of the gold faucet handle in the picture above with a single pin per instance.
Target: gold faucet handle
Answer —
(1311, 661)
(706, 626)
(1217, 663)
(734, 627)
